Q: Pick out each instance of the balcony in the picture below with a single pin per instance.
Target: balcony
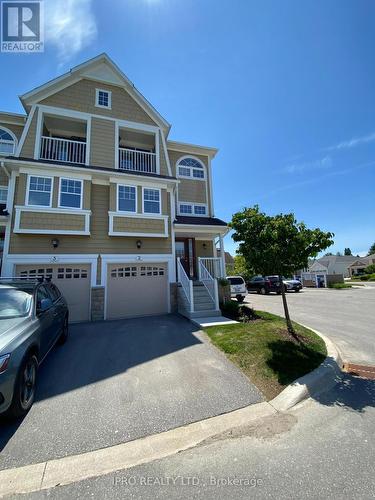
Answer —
(65, 150)
(137, 151)
(63, 140)
(138, 161)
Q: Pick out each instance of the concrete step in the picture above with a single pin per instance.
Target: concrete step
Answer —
(200, 314)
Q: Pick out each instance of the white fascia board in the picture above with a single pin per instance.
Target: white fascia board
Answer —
(57, 169)
(55, 173)
(192, 148)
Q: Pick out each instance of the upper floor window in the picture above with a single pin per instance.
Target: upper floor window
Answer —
(151, 201)
(3, 195)
(7, 142)
(190, 167)
(127, 198)
(39, 191)
(70, 195)
(103, 99)
(192, 209)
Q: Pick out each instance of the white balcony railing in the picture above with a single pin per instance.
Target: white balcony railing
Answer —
(52, 148)
(209, 282)
(214, 266)
(186, 283)
(139, 161)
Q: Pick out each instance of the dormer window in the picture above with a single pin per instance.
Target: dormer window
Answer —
(103, 99)
(190, 168)
(8, 142)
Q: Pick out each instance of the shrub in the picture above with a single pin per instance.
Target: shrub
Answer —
(370, 269)
(339, 286)
(237, 312)
(223, 282)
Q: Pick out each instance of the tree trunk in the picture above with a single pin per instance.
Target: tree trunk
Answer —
(286, 310)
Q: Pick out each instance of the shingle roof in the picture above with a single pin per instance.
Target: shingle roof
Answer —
(199, 221)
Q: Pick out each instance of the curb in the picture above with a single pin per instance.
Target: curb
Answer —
(74, 468)
(319, 380)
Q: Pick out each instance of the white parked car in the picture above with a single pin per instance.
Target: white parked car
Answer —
(237, 287)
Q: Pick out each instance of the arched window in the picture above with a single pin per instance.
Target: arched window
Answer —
(190, 167)
(7, 142)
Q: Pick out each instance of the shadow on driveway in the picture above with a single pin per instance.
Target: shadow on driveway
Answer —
(117, 381)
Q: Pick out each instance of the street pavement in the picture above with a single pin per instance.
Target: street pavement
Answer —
(346, 316)
(323, 449)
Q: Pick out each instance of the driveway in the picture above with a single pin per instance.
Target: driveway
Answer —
(346, 316)
(117, 381)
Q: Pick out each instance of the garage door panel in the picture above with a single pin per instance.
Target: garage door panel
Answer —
(73, 280)
(136, 290)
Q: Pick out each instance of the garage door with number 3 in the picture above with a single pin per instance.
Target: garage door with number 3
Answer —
(73, 281)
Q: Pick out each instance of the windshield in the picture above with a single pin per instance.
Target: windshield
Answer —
(236, 281)
(14, 303)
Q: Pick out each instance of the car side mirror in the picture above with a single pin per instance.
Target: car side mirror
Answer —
(44, 305)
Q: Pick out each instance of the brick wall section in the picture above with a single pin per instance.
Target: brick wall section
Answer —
(97, 303)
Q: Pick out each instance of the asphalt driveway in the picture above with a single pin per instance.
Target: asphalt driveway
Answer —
(117, 381)
(346, 316)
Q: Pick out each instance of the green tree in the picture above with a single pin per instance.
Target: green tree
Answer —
(347, 251)
(241, 268)
(328, 254)
(372, 249)
(276, 245)
(370, 269)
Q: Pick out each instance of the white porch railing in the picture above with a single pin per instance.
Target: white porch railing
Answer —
(210, 283)
(139, 161)
(214, 266)
(186, 284)
(52, 148)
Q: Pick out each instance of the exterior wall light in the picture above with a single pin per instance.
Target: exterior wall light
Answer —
(55, 242)
(139, 244)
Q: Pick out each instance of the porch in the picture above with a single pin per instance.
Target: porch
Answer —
(198, 268)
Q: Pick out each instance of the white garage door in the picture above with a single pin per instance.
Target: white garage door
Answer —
(73, 280)
(136, 290)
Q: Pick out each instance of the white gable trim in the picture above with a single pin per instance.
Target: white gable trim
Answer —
(82, 71)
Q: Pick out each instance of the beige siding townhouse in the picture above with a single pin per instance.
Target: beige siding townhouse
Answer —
(94, 196)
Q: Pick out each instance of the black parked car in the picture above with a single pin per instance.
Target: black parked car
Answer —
(264, 285)
(33, 317)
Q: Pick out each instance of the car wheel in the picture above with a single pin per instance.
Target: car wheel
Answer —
(297, 290)
(240, 298)
(65, 332)
(263, 291)
(278, 292)
(25, 387)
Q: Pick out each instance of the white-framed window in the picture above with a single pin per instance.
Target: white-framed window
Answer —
(103, 99)
(186, 208)
(39, 191)
(70, 193)
(3, 195)
(198, 209)
(126, 198)
(8, 142)
(190, 168)
(151, 201)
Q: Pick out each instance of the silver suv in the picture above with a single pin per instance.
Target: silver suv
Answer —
(33, 317)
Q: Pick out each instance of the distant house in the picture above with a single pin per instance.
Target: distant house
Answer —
(229, 262)
(359, 265)
(333, 264)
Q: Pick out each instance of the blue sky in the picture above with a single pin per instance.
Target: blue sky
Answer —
(285, 90)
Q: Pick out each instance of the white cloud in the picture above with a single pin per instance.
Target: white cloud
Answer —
(322, 163)
(70, 26)
(352, 143)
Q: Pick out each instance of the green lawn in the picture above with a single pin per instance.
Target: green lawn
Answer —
(267, 354)
(340, 286)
